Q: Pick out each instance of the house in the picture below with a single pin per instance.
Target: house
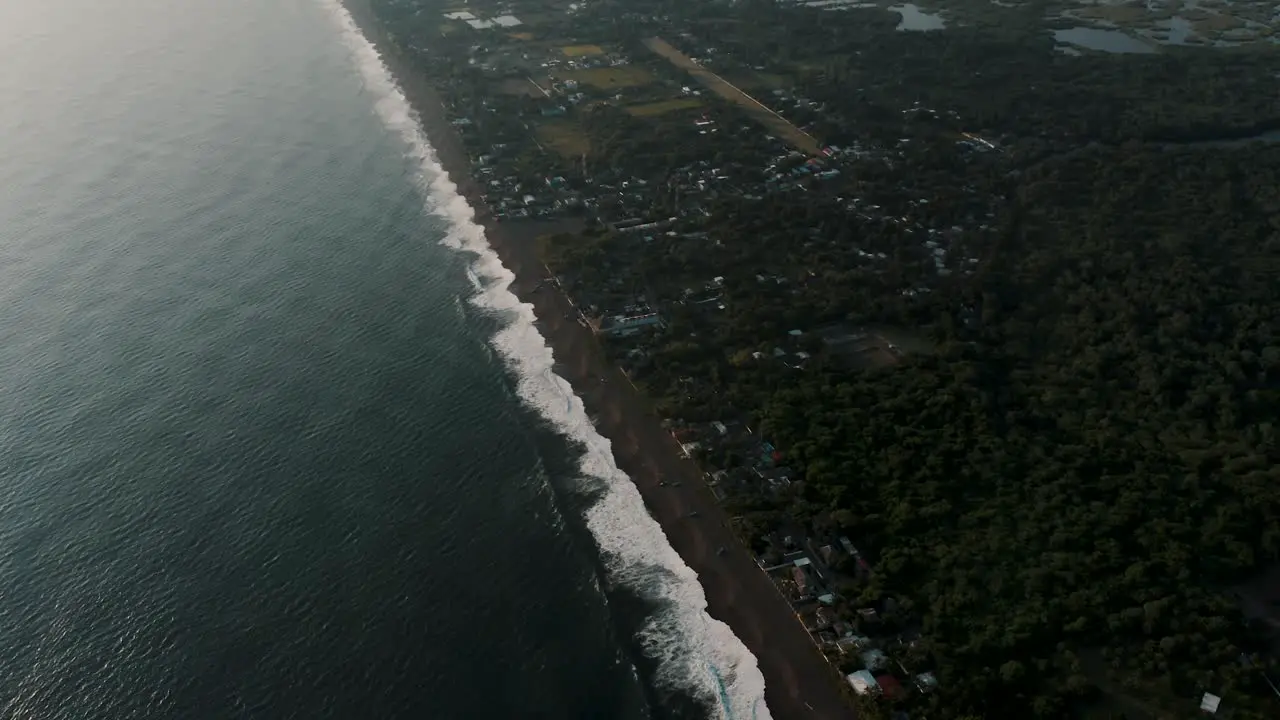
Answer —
(863, 682)
(855, 642)
(624, 325)
(777, 478)
(801, 579)
(889, 686)
(926, 682)
(827, 553)
(874, 659)
(822, 617)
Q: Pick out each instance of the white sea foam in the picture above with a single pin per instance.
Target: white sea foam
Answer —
(695, 652)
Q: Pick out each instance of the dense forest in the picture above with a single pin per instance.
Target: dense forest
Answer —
(1068, 488)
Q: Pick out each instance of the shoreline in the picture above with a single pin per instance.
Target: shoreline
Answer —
(799, 683)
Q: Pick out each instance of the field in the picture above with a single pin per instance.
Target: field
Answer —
(872, 348)
(663, 107)
(565, 138)
(610, 78)
(1212, 24)
(582, 50)
(774, 122)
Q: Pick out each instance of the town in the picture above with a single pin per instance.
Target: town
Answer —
(762, 206)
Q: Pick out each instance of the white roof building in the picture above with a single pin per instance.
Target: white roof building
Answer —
(862, 682)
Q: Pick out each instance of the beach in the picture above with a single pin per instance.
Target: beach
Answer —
(799, 683)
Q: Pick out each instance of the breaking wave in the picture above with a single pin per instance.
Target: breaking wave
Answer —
(693, 652)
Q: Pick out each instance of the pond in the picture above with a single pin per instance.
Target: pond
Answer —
(1112, 41)
(915, 19)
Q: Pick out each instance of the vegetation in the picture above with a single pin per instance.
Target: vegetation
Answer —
(1062, 493)
(664, 106)
(1092, 464)
(564, 137)
(608, 78)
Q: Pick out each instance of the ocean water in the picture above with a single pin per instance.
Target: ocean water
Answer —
(275, 440)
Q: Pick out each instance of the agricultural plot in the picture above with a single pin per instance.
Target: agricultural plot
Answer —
(610, 78)
(663, 107)
(574, 51)
(565, 138)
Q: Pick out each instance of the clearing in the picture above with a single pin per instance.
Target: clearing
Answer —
(663, 107)
(565, 138)
(610, 78)
(582, 50)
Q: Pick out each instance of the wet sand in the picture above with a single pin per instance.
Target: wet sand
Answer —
(799, 684)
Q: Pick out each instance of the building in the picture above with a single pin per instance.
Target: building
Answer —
(801, 579)
(926, 682)
(874, 660)
(889, 686)
(863, 682)
(625, 325)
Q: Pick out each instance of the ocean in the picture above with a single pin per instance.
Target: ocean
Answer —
(275, 439)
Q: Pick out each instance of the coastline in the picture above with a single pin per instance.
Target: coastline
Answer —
(798, 681)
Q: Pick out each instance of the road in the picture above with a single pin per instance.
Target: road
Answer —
(774, 122)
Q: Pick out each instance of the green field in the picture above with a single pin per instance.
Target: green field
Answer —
(565, 138)
(663, 107)
(581, 50)
(610, 78)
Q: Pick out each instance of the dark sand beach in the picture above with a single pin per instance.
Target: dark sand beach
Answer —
(799, 683)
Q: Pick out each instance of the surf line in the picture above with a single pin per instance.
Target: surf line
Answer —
(679, 634)
(568, 398)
